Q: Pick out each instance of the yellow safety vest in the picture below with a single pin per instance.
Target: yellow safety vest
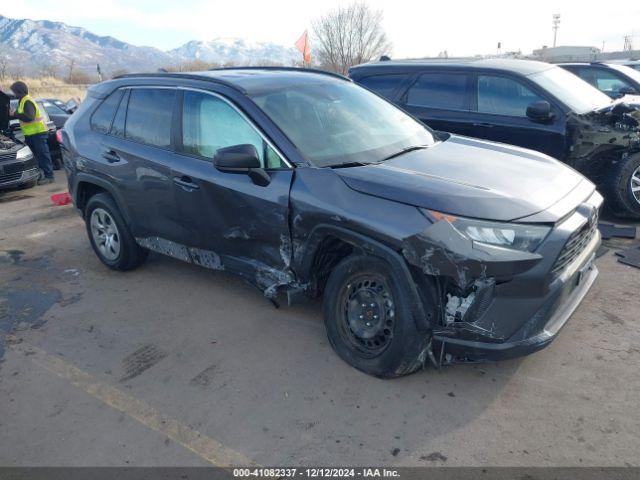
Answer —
(36, 126)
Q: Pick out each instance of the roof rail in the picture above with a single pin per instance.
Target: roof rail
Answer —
(287, 69)
(190, 76)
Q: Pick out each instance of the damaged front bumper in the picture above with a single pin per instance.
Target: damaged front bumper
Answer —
(504, 307)
(538, 331)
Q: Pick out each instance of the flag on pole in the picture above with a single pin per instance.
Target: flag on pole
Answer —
(303, 46)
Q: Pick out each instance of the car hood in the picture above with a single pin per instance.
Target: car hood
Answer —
(470, 177)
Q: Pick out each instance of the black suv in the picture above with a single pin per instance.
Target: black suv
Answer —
(424, 246)
(612, 79)
(530, 104)
(17, 165)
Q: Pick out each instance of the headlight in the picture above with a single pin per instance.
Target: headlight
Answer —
(24, 154)
(518, 236)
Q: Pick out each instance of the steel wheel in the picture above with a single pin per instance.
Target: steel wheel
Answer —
(105, 234)
(635, 184)
(368, 314)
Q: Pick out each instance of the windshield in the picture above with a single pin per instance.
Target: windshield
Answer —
(627, 71)
(574, 92)
(334, 123)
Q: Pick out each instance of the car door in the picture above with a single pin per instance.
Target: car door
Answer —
(226, 214)
(386, 85)
(499, 113)
(137, 156)
(440, 100)
(606, 80)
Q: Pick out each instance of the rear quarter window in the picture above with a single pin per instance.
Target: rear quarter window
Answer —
(149, 116)
(103, 116)
(383, 85)
(439, 90)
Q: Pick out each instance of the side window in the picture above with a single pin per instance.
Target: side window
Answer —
(504, 96)
(102, 117)
(209, 123)
(149, 116)
(439, 90)
(117, 128)
(382, 84)
(608, 82)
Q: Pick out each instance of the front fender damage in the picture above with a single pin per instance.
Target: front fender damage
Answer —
(441, 250)
(467, 273)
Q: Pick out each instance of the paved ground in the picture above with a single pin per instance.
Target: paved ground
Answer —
(176, 365)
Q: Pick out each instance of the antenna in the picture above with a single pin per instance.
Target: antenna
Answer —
(556, 26)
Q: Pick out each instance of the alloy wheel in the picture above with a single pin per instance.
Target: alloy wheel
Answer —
(635, 184)
(105, 233)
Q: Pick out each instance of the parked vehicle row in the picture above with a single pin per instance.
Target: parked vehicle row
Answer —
(530, 104)
(425, 246)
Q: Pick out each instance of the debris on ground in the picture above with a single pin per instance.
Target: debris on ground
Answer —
(608, 230)
(630, 256)
(61, 199)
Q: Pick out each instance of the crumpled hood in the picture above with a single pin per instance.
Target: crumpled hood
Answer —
(627, 106)
(469, 177)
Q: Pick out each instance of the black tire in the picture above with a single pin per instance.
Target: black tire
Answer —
(400, 351)
(617, 187)
(129, 254)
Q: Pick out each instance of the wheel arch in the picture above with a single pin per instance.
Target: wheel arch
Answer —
(88, 185)
(314, 265)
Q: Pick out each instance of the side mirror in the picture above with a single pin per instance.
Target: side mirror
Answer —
(627, 90)
(540, 111)
(242, 159)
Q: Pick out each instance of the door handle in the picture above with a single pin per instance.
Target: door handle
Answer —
(185, 183)
(482, 124)
(111, 156)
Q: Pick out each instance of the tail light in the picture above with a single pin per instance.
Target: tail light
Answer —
(59, 136)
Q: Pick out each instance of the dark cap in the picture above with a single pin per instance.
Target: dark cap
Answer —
(19, 88)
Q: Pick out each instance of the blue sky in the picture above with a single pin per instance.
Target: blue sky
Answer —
(416, 28)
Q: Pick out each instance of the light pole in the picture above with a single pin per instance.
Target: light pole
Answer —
(556, 25)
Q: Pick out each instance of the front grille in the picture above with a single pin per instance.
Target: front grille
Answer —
(4, 156)
(19, 166)
(575, 245)
(10, 177)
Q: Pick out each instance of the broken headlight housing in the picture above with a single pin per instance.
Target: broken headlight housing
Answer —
(24, 154)
(517, 236)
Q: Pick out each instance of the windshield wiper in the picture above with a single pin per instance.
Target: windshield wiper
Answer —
(405, 150)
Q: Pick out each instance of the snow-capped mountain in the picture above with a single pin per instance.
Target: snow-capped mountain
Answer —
(33, 47)
(238, 51)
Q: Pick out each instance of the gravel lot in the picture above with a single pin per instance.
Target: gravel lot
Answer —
(172, 364)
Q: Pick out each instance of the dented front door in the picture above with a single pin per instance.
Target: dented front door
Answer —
(226, 214)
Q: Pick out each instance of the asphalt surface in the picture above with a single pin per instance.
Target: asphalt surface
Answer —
(173, 364)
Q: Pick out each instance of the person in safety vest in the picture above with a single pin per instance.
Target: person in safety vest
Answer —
(34, 129)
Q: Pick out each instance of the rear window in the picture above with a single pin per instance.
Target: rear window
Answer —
(384, 85)
(439, 90)
(103, 116)
(149, 116)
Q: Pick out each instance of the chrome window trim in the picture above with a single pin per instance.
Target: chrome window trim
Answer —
(245, 117)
